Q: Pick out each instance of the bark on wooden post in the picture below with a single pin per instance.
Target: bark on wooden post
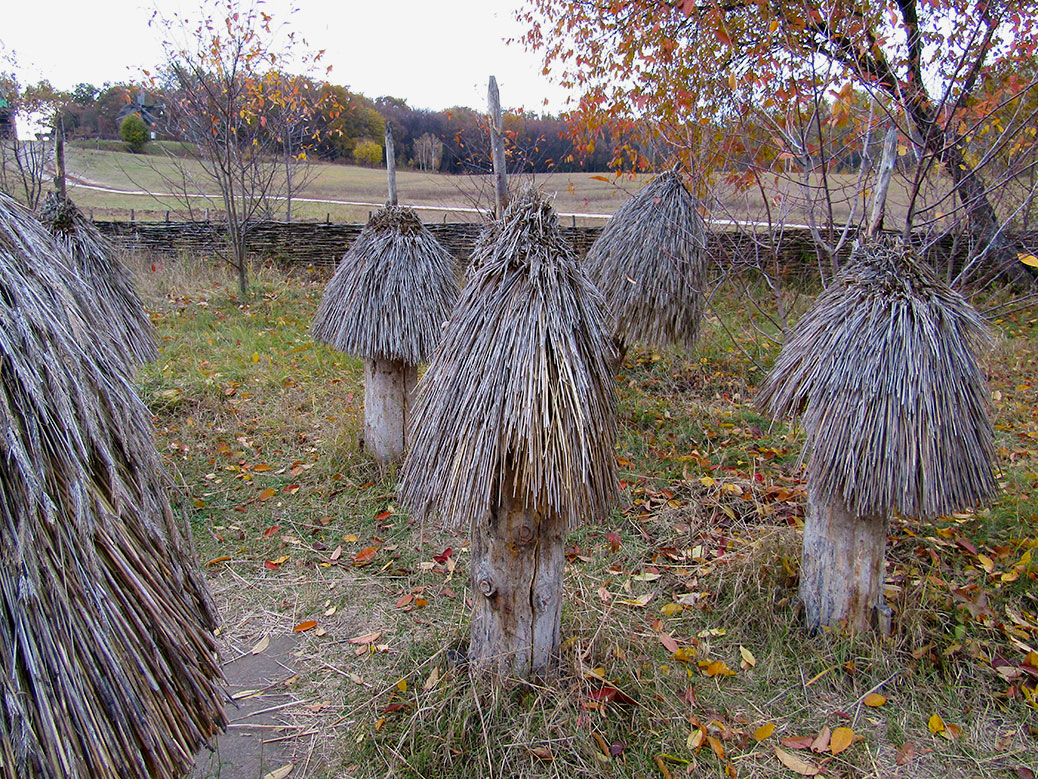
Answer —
(386, 303)
(59, 159)
(503, 444)
(390, 166)
(497, 148)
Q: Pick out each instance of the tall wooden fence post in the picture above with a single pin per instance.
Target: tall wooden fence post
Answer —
(497, 147)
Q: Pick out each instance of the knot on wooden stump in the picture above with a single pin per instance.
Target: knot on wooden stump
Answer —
(527, 533)
(486, 585)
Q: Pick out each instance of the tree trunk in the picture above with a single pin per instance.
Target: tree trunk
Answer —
(517, 566)
(59, 160)
(390, 166)
(841, 568)
(388, 389)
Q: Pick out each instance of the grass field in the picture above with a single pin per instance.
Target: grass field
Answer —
(581, 194)
(683, 654)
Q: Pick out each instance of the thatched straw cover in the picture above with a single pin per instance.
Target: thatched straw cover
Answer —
(650, 263)
(883, 369)
(106, 650)
(392, 292)
(520, 381)
(483, 248)
(119, 308)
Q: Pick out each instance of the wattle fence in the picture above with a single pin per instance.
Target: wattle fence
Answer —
(322, 244)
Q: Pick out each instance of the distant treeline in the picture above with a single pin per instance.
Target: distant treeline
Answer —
(344, 126)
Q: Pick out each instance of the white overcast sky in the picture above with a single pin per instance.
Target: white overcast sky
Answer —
(434, 54)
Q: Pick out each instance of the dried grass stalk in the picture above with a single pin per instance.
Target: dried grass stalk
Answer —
(521, 381)
(883, 369)
(118, 305)
(106, 650)
(392, 292)
(650, 263)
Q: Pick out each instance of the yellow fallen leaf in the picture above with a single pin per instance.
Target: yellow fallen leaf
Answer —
(764, 731)
(747, 657)
(268, 493)
(695, 739)
(670, 609)
(716, 746)
(840, 740)
(796, 764)
(1028, 259)
(718, 668)
(402, 685)
(936, 724)
(874, 700)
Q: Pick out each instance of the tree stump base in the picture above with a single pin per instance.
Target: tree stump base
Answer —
(842, 566)
(517, 566)
(388, 390)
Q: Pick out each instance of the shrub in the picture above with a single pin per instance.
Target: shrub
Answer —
(367, 153)
(135, 132)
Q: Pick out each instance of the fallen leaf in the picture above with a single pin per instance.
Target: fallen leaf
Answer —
(402, 685)
(383, 515)
(268, 493)
(906, 754)
(796, 764)
(841, 739)
(1023, 772)
(640, 602)
(262, 644)
(663, 768)
(764, 731)
(542, 753)
(260, 467)
(716, 746)
(367, 638)
(433, 678)
(798, 742)
(304, 626)
(747, 657)
(936, 724)
(821, 742)
(365, 555)
(718, 668)
(404, 600)
(670, 609)
(695, 739)
(280, 773)
(1028, 259)
(216, 560)
(669, 643)
(874, 700)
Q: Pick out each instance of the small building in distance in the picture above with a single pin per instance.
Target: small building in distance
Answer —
(6, 120)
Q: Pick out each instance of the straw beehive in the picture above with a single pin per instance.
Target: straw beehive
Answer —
(94, 261)
(650, 264)
(883, 369)
(106, 648)
(386, 303)
(514, 430)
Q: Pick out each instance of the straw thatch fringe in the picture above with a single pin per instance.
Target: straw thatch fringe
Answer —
(119, 307)
(521, 380)
(483, 248)
(650, 263)
(106, 650)
(883, 369)
(392, 292)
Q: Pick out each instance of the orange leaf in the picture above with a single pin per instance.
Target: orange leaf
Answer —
(268, 493)
(796, 764)
(663, 768)
(874, 699)
(716, 746)
(841, 739)
(764, 731)
(261, 467)
(304, 626)
(365, 555)
(383, 515)
(216, 560)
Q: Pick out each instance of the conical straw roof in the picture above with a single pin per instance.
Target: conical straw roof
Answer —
(392, 292)
(650, 263)
(884, 370)
(106, 649)
(521, 383)
(118, 304)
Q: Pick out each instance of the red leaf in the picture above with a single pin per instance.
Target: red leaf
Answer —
(365, 555)
(304, 626)
(798, 742)
(270, 566)
(383, 515)
(271, 531)
(442, 557)
(614, 541)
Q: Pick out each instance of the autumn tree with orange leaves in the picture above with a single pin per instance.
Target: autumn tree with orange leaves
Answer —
(956, 77)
